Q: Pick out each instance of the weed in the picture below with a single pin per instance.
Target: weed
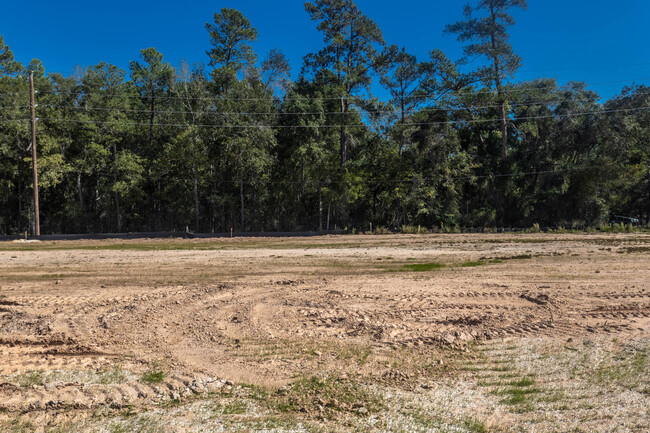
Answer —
(236, 407)
(358, 353)
(423, 267)
(514, 396)
(114, 376)
(128, 411)
(33, 378)
(475, 426)
(141, 424)
(524, 382)
(413, 230)
(472, 264)
(501, 368)
(326, 396)
(631, 250)
(534, 229)
(626, 371)
(153, 376)
(19, 426)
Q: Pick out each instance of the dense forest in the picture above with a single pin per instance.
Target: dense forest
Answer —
(233, 142)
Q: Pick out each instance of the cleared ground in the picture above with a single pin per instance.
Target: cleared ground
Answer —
(526, 332)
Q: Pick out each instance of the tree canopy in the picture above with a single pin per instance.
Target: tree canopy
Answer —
(236, 143)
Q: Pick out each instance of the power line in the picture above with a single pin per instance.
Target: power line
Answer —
(573, 68)
(284, 113)
(462, 91)
(14, 120)
(375, 181)
(257, 126)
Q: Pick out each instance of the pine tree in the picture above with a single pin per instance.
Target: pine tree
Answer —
(488, 37)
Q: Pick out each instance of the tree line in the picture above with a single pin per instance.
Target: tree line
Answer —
(235, 143)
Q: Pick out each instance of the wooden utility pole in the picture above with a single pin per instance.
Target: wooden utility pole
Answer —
(37, 222)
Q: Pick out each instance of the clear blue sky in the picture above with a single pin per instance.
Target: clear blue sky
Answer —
(595, 41)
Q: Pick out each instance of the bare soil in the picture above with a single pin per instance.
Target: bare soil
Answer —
(483, 332)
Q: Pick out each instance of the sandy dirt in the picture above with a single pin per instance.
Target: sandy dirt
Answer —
(82, 322)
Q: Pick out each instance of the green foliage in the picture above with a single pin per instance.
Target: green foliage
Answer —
(423, 267)
(242, 147)
(153, 376)
(534, 229)
(8, 65)
(31, 378)
(327, 396)
(235, 407)
(414, 230)
(472, 264)
(230, 36)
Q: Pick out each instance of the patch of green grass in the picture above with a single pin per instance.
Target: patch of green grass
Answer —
(424, 267)
(427, 421)
(626, 370)
(553, 397)
(359, 354)
(19, 426)
(32, 378)
(325, 396)
(515, 396)
(520, 257)
(471, 368)
(267, 423)
(153, 376)
(235, 407)
(113, 376)
(523, 382)
(141, 424)
(128, 411)
(472, 264)
(501, 368)
(475, 426)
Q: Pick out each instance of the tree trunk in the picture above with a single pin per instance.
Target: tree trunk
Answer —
(151, 119)
(118, 216)
(213, 199)
(196, 199)
(504, 129)
(159, 215)
(32, 224)
(81, 201)
(648, 220)
(80, 193)
(500, 96)
(241, 202)
(328, 216)
(320, 210)
(20, 191)
(401, 133)
(344, 144)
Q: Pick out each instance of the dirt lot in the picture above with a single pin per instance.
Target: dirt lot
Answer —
(449, 333)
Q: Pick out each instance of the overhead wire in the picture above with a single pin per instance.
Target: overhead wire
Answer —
(376, 181)
(257, 126)
(461, 91)
(285, 113)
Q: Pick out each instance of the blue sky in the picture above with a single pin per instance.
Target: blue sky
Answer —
(601, 42)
